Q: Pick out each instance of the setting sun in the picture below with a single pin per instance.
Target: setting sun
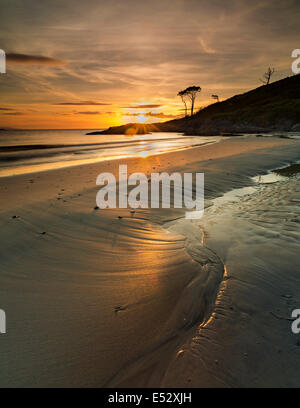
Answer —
(144, 154)
(141, 118)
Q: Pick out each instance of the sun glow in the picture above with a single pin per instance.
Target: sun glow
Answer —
(141, 118)
(144, 154)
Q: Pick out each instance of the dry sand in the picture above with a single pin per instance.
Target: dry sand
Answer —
(94, 300)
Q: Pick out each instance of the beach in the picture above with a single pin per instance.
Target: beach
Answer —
(116, 298)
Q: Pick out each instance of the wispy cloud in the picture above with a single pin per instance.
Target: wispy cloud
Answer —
(159, 115)
(13, 113)
(83, 103)
(88, 113)
(33, 59)
(150, 106)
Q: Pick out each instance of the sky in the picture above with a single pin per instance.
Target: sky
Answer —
(98, 63)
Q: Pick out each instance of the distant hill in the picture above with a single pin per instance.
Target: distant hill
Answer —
(274, 107)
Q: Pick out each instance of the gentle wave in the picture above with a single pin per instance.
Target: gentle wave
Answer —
(24, 152)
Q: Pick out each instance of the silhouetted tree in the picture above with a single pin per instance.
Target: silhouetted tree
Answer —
(182, 96)
(267, 76)
(192, 92)
(216, 97)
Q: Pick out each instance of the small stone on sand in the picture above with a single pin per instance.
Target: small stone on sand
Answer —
(119, 308)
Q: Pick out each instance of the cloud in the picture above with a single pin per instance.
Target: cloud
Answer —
(206, 48)
(167, 46)
(33, 59)
(83, 103)
(6, 109)
(159, 115)
(88, 113)
(12, 113)
(142, 107)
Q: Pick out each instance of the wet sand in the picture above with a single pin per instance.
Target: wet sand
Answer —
(248, 342)
(93, 299)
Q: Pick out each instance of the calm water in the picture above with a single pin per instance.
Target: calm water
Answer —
(37, 150)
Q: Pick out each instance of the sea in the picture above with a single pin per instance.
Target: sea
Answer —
(29, 151)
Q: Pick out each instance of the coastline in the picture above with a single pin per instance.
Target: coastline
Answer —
(68, 149)
(14, 188)
(88, 262)
(240, 114)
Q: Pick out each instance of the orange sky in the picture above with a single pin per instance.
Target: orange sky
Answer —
(101, 63)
